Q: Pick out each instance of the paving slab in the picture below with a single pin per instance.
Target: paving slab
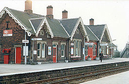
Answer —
(10, 69)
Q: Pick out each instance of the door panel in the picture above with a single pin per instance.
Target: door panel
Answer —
(54, 55)
(90, 52)
(18, 55)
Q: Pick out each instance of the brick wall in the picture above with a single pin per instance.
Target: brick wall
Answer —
(7, 42)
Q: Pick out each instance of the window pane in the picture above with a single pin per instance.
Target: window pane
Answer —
(38, 50)
(86, 50)
(62, 53)
(43, 46)
(90, 46)
(76, 44)
(62, 49)
(43, 50)
(38, 45)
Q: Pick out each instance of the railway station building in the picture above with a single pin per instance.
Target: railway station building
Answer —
(30, 37)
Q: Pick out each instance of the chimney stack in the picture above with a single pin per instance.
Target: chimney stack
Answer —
(50, 12)
(28, 6)
(91, 21)
(64, 14)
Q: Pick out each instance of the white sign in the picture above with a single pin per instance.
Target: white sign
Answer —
(103, 44)
(34, 52)
(39, 39)
(7, 33)
(49, 50)
(25, 50)
(71, 50)
(72, 44)
(25, 41)
(89, 43)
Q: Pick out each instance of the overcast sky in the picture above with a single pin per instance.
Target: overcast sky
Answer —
(113, 13)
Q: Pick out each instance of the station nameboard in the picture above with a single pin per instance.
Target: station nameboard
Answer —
(7, 33)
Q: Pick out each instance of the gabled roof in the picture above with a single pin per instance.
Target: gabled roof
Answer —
(31, 23)
(69, 24)
(36, 23)
(99, 31)
(57, 29)
(21, 18)
(91, 35)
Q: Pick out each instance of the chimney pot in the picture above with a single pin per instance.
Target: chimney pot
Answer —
(28, 6)
(64, 14)
(91, 21)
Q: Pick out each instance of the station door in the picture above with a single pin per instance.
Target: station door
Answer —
(18, 55)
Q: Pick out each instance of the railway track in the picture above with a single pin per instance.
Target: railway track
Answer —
(80, 77)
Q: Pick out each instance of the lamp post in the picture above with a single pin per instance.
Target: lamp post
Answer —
(112, 47)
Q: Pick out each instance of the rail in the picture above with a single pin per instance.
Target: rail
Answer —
(69, 78)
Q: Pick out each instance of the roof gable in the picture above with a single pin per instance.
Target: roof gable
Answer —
(97, 30)
(69, 24)
(36, 23)
(105, 37)
(91, 35)
(21, 18)
(102, 32)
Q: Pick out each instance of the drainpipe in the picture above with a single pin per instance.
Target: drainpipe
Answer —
(68, 52)
(25, 49)
(98, 48)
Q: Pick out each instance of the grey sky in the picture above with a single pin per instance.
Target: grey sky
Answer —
(113, 13)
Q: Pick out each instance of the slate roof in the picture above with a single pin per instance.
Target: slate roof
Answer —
(91, 35)
(97, 30)
(56, 28)
(23, 17)
(36, 23)
(69, 24)
(60, 28)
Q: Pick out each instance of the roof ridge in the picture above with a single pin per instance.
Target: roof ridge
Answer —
(69, 19)
(97, 25)
(24, 12)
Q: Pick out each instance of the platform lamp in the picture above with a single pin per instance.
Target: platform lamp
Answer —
(112, 47)
(84, 45)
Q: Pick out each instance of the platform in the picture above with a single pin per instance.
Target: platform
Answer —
(11, 69)
(120, 78)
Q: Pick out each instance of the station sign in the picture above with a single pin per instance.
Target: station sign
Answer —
(36, 39)
(89, 43)
(25, 41)
(7, 33)
(103, 44)
(25, 50)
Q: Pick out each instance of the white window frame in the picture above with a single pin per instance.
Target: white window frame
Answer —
(40, 56)
(77, 48)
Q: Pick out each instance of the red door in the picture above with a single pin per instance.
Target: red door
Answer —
(54, 54)
(18, 55)
(90, 52)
